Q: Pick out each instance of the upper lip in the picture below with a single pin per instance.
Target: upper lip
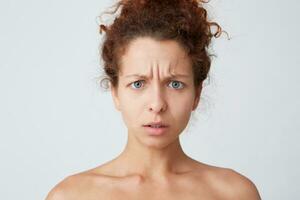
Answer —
(156, 123)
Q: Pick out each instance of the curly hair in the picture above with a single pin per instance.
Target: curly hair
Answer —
(184, 21)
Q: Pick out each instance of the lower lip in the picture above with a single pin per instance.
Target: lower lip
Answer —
(155, 131)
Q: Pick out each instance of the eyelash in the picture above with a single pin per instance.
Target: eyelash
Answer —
(182, 84)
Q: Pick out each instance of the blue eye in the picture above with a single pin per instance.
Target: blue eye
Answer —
(176, 84)
(137, 84)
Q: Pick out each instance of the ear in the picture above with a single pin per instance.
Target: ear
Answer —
(114, 93)
(197, 96)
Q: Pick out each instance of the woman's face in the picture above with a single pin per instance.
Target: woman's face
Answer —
(155, 84)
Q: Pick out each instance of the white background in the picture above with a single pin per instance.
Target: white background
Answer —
(55, 120)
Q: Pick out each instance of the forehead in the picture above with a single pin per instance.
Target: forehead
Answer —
(145, 54)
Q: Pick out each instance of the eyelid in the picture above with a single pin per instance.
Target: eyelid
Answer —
(183, 84)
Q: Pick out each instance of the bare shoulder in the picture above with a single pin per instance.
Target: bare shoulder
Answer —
(242, 187)
(231, 184)
(77, 186)
(62, 190)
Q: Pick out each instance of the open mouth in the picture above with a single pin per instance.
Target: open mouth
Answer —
(156, 129)
(156, 126)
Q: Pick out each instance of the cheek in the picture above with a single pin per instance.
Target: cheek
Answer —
(181, 108)
(130, 109)
(184, 109)
(182, 103)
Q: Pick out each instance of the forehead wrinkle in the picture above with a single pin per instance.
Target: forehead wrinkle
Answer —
(166, 67)
(153, 65)
(168, 71)
(160, 68)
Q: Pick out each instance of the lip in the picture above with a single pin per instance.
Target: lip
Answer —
(160, 123)
(156, 131)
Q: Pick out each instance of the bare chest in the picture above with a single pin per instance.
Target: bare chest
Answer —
(161, 195)
(147, 192)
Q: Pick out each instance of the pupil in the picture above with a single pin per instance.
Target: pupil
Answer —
(175, 83)
(137, 84)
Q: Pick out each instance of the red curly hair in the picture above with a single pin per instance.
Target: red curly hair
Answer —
(184, 21)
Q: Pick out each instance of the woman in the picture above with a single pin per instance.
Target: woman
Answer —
(155, 58)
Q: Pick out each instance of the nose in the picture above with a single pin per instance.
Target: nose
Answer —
(157, 100)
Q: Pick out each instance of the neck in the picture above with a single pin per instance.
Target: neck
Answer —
(152, 161)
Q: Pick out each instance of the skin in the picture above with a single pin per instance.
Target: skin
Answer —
(155, 167)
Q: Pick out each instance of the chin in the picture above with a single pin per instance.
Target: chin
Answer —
(156, 142)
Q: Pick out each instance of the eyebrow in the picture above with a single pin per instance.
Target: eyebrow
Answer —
(144, 76)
